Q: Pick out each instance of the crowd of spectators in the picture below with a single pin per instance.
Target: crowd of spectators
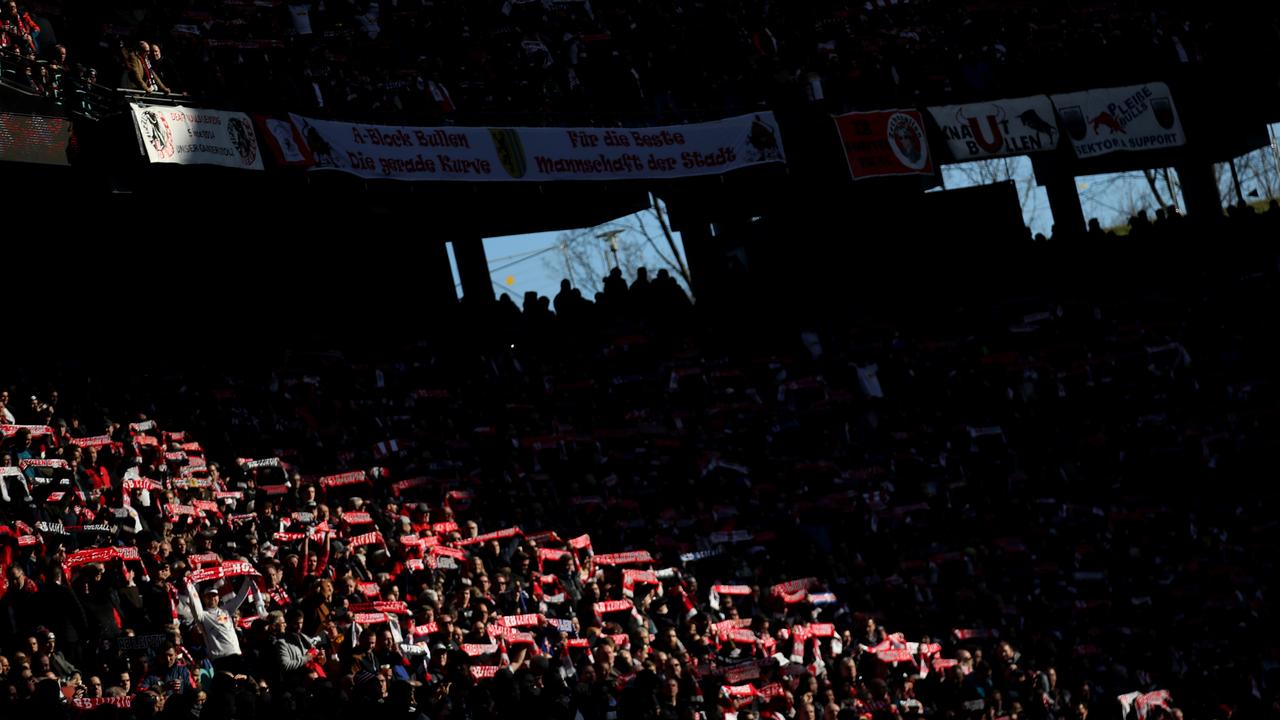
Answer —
(1044, 510)
(650, 57)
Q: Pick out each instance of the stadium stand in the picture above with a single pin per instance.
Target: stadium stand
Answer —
(1042, 508)
(974, 477)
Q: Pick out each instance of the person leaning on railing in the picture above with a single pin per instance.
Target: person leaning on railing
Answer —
(137, 69)
(162, 69)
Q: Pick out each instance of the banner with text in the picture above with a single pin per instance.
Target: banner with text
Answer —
(195, 136)
(996, 129)
(885, 142)
(1138, 117)
(542, 154)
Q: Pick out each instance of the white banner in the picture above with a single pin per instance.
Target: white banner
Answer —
(1139, 117)
(195, 136)
(995, 129)
(542, 154)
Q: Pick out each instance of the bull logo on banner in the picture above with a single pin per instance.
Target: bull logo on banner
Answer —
(997, 124)
(510, 149)
(321, 149)
(158, 134)
(1032, 121)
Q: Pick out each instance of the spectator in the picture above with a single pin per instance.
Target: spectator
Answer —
(138, 74)
(18, 32)
(162, 70)
(171, 677)
(217, 622)
(667, 56)
(650, 520)
(58, 662)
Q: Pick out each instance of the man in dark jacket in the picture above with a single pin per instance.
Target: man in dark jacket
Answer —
(20, 603)
(58, 662)
(169, 677)
(137, 70)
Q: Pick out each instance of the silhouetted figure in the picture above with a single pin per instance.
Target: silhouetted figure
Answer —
(564, 299)
(615, 291)
(1140, 224)
(668, 296)
(641, 296)
(530, 305)
(507, 315)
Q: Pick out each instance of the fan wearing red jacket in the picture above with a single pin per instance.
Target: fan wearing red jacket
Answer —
(17, 30)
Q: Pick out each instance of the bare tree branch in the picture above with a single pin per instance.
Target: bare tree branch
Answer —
(1150, 175)
(586, 259)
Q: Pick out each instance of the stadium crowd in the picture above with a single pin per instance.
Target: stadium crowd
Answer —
(1045, 510)
(663, 57)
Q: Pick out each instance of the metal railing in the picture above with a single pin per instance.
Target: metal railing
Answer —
(76, 94)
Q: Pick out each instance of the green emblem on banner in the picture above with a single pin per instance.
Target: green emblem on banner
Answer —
(510, 151)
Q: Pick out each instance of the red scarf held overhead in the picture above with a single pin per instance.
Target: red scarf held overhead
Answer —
(173, 601)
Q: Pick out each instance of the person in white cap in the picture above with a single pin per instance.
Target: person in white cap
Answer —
(217, 621)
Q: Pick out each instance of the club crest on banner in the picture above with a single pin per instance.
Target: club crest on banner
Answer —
(243, 140)
(283, 133)
(763, 141)
(906, 139)
(158, 134)
(510, 151)
(885, 142)
(1163, 109)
